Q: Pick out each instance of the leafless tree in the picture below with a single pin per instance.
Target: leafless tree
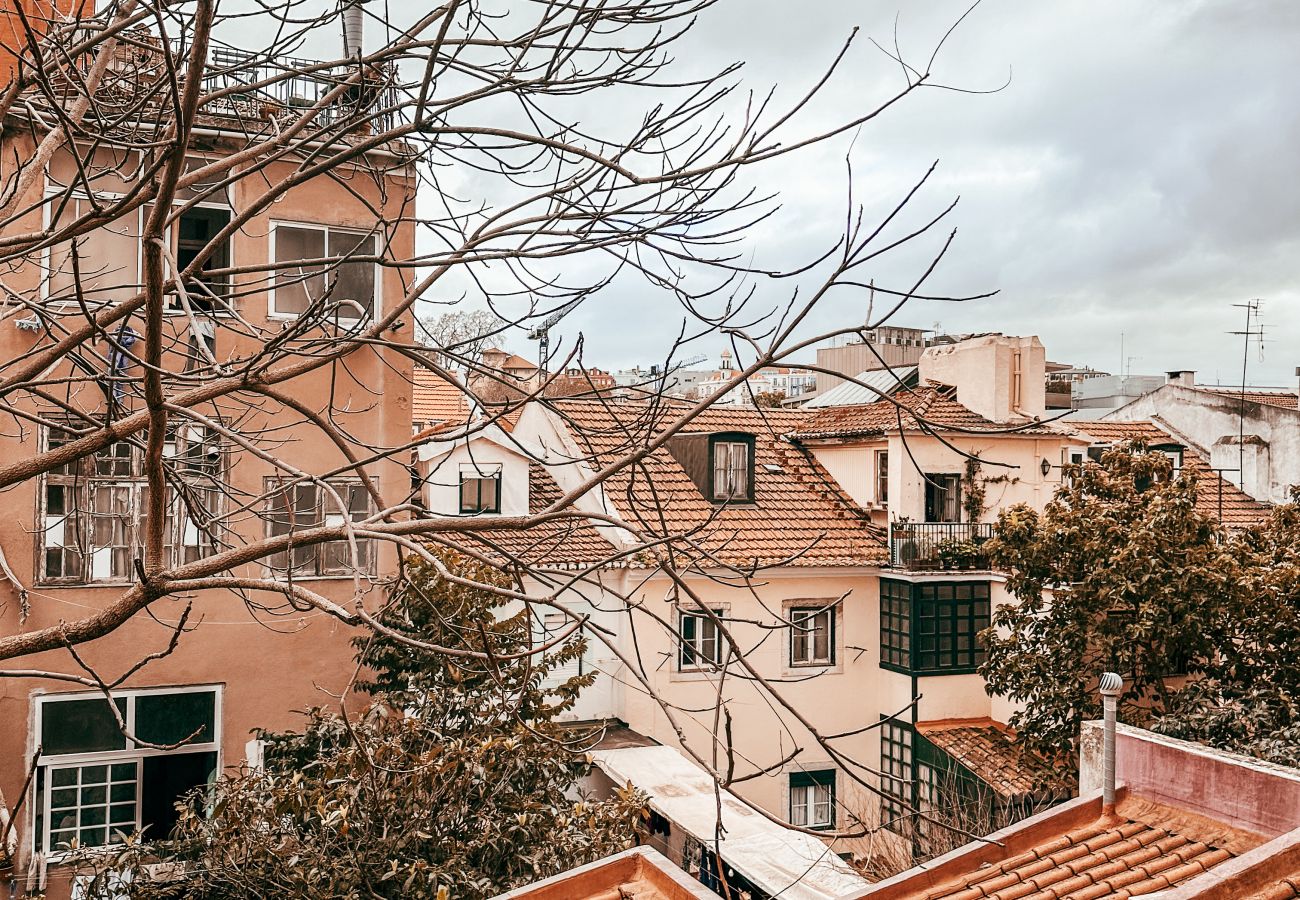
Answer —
(124, 126)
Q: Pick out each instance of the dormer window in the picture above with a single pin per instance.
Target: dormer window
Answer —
(731, 469)
(480, 489)
(720, 463)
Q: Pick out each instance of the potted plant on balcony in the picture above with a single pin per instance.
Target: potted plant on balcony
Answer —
(955, 553)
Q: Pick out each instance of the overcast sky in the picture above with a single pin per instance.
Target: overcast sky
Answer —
(1136, 176)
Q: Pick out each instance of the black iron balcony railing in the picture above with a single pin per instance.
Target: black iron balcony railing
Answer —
(932, 546)
(295, 90)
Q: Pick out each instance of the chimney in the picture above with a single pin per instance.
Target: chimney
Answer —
(353, 28)
(1181, 377)
(1297, 375)
(1111, 685)
(1001, 378)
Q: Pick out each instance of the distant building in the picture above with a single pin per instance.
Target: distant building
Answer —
(885, 347)
(1252, 436)
(1061, 379)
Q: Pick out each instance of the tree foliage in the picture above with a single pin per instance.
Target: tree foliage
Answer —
(1119, 572)
(457, 778)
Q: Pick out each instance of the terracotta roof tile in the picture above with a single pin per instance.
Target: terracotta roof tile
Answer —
(435, 400)
(988, 749)
(1216, 497)
(1284, 399)
(1143, 848)
(800, 516)
(932, 407)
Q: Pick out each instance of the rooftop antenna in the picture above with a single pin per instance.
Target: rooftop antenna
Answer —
(1252, 314)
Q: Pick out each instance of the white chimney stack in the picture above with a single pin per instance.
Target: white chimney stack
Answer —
(1111, 686)
(353, 28)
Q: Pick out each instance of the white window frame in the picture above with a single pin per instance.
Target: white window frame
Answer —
(552, 624)
(40, 806)
(479, 472)
(54, 191)
(177, 522)
(702, 662)
(328, 512)
(745, 471)
(174, 308)
(377, 307)
(803, 798)
(806, 634)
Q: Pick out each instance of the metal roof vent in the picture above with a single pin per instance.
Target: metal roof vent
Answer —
(1111, 685)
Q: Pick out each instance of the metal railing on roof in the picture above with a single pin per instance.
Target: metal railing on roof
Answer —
(293, 90)
(934, 546)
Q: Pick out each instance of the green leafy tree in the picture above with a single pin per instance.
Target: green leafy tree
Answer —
(1120, 572)
(456, 783)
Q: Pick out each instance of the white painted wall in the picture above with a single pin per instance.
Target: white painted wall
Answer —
(441, 464)
(998, 376)
(1211, 422)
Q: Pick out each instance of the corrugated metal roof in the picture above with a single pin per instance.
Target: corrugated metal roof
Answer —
(780, 861)
(886, 381)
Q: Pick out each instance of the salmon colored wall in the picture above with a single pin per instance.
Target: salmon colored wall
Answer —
(270, 667)
(13, 36)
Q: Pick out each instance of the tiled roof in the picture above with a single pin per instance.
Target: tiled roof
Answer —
(800, 516)
(561, 542)
(932, 407)
(1143, 848)
(1216, 497)
(987, 748)
(1284, 399)
(434, 399)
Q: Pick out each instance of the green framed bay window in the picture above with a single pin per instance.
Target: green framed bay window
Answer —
(932, 628)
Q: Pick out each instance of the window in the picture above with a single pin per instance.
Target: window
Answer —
(812, 636)
(480, 489)
(92, 509)
(731, 470)
(195, 230)
(882, 476)
(933, 628)
(812, 799)
(942, 498)
(895, 624)
(896, 773)
(298, 287)
(95, 786)
(701, 645)
(108, 256)
(555, 624)
(297, 507)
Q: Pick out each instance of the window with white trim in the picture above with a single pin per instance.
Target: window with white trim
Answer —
(298, 507)
(95, 785)
(92, 510)
(812, 636)
(107, 263)
(303, 278)
(553, 625)
(812, 799)
(701, 640)
(731, 470)
(480, 488)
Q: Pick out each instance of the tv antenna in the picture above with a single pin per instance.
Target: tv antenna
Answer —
(1246, 334)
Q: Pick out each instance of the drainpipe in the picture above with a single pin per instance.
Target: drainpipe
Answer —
(1111, 685)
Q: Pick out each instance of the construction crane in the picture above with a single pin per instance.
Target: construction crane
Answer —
(542, 334)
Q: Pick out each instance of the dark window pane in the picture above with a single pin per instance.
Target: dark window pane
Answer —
(166, 780)
(81, 726)
(171, 718)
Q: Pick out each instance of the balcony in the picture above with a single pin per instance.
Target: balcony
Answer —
(298, 85)
(939, 546)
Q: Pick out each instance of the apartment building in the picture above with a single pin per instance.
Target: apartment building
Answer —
(839, 547)
(240, 466)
